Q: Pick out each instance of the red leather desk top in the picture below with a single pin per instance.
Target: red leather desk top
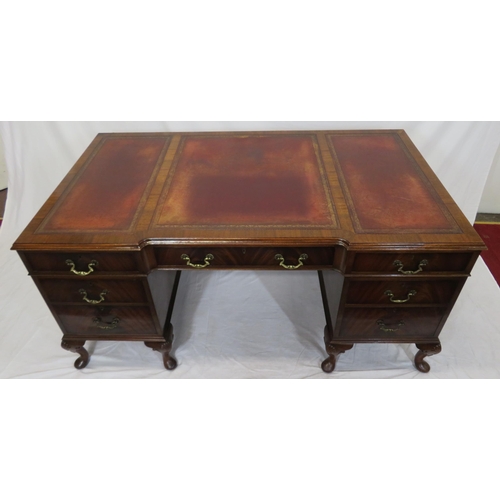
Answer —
(384, 186)
(368, 189)
(253, 180)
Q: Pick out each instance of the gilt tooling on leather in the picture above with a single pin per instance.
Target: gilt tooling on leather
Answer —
(385, 187)
(256, 180)
(111, 186)
(270, 181)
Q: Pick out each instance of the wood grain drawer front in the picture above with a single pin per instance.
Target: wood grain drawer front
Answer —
(87, 263)
(377, 324)
(84, 290)
(411, 263)
(402, 292)
(199, 258)
(125, 323)
(250, 257)
(291, 258)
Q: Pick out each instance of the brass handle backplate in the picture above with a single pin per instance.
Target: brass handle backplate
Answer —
(92, 264)
(208, 258)
(99, 323)
(91, 301)
(400, 266)
(382, 326)
(411, 294)
(282, 261)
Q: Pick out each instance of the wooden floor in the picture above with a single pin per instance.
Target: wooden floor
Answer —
(487, 218)
(3, 198)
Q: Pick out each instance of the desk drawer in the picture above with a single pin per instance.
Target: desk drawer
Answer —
(391, 324)
(249, 257)
(95, 322)
(291, 258)
(82, 290)
(414, 263)
(199, 257)
(89, 263)
(392, 292)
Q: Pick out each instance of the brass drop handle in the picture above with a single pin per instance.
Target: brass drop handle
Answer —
(282, 261)
(91, 301)
(208, 258)
(99, 323)
(400, 266)
(92, 264)
(411, 293)
(382, 326)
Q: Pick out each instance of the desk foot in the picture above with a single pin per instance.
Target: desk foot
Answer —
(334, 350)
(164, 347)
(426, 350)
(76, 346)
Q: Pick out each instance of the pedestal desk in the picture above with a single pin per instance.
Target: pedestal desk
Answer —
(362, 208)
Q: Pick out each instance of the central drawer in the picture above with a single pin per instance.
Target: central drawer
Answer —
(268, 258)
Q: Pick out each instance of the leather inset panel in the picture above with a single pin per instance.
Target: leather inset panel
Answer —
(271, 181)
(112, 187)
(384, 187)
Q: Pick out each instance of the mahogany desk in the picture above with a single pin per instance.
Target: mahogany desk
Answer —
(362, 208)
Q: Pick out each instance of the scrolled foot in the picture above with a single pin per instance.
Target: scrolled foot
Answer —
(328, 364)
(333, 349)
(77, 347)
(420, 364)
(164, 347)
(169, 362)
(425, 350)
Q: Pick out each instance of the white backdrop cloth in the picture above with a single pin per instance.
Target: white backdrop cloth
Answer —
(239, 324)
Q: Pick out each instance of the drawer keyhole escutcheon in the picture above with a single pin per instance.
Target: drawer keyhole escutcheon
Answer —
(208, 258)
(91, 301)
(99, 323)
(282, 261)
(92, 264)
(382, 326)
(411, 293)
(400, 267)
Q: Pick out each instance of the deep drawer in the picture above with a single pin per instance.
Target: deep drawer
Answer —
(249, 257)
(402, 292)
(88, 263)
(404, 324)
(411, 263)
(125, 323)
(104, 291)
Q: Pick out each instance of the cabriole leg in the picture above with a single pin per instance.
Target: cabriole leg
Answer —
(164, 347)
(76, 346)
(426, 349)
(334, 350)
